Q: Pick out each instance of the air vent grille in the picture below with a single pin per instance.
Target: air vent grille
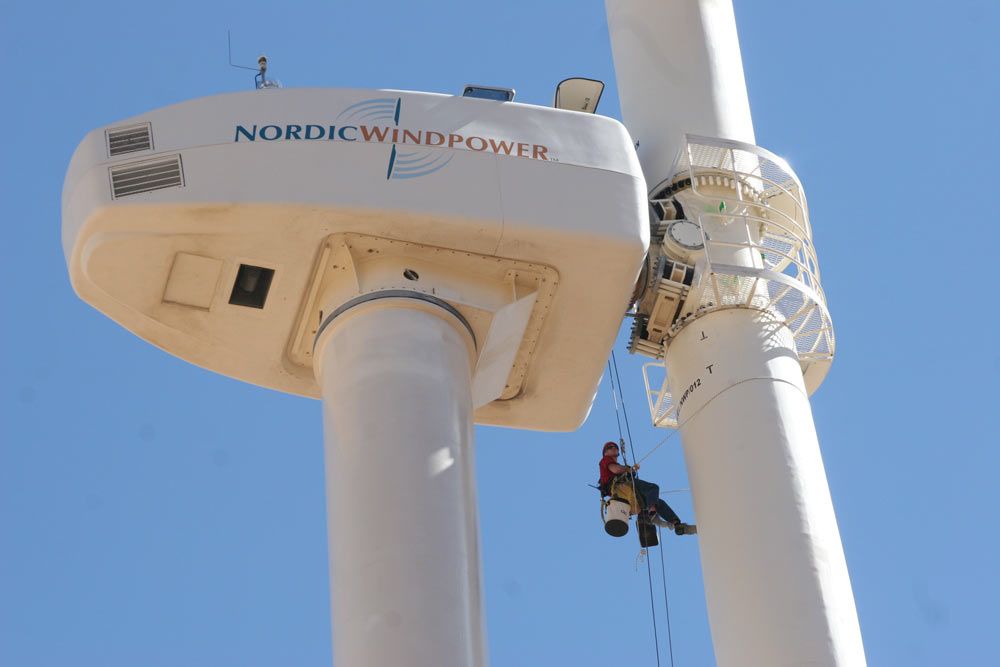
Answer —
(129, 139)
(136, 177)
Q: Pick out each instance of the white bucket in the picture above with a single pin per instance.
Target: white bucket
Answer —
(616, 518)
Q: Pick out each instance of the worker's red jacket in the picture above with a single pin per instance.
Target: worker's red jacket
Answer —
(606, 474)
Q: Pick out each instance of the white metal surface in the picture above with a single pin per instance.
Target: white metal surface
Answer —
(505, 302)
(265, 178)
(776, 580)
(775, 576)
(679, 72)
(402, 513)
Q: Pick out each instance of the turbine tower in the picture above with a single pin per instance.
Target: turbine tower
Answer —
(733, 305)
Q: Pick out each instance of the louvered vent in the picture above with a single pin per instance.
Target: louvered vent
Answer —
(129, 139)
(136, 177)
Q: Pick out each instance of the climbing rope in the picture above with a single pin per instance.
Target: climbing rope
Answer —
(628, 429)
(666, 600)
(621, 439)
(652, 608)
(691, 416)
(664, 441)
(615, 387)
(614, 397)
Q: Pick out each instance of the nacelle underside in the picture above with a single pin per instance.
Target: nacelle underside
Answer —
(202, 228)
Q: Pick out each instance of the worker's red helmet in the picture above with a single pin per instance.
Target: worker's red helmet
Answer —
(608, 445)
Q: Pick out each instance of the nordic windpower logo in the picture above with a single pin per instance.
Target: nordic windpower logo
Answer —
(402, 164)
(414, 152)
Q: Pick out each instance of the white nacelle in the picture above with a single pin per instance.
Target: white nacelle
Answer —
(530, 222)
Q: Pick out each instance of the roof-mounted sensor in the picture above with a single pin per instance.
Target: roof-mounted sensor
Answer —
(579, 94)
(489, 93)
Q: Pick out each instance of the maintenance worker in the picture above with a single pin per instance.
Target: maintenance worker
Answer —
(655, 509)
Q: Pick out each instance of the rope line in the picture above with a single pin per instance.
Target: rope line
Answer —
(666, 600)
(614, 397)
(652, 608)
(649, 571)
(628, 429)
(621, 439)
(680, 425)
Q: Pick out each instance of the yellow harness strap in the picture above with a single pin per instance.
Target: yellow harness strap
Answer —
(622, 489)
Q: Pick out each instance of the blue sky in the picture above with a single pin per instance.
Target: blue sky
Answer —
(141, 524)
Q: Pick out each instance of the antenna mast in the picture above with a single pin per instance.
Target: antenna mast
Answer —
(260, 80)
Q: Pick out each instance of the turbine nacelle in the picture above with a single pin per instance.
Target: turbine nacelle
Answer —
(225, 230)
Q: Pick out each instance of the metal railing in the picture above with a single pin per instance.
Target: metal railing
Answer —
(778, 271)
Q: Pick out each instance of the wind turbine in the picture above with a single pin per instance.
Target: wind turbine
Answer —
(424, 262)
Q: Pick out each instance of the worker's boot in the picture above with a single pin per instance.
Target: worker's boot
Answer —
(686, 529)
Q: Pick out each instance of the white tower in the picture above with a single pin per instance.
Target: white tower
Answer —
(731, 300)
(419, 261)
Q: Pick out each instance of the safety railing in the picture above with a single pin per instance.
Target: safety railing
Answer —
(772, 268)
